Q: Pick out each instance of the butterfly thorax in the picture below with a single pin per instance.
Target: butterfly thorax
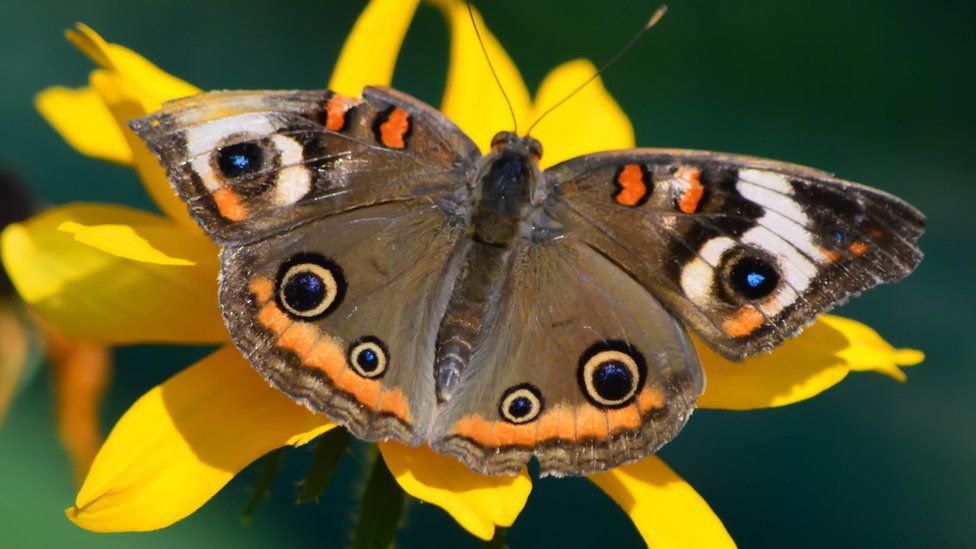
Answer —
(501, 201)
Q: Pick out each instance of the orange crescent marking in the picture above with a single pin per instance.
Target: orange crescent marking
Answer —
(692, 195)
(335, 112)
(633, 190)
(328, 357)
(229, 204)
(394, 402)
(320, 351)
(557, 424)
(624, 419)
(591, 422)
(651, 398)
(262, 288)
(395, 128)
(859, 248)
(743, 322)
(273, 319)
(299, 338)
(475, 427)
(830, 254)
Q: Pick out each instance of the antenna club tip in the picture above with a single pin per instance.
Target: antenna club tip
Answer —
(658, 14)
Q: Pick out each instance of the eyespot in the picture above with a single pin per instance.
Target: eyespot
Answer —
(309, 286)
(369, 357)
(611, 373)
(753, 278)
(239, 159)
(521, 404)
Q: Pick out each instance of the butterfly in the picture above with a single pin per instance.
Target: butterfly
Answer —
(378, 269)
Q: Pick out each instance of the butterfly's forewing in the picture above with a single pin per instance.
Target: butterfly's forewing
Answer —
(745, 251)
(576, 363)
(339, 219)
(252, 163)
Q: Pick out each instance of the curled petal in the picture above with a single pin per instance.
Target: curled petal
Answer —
(477, 502)
(666, 510)
(472, 98)
(802, 368)
(588, 122)
(122, 98)
(183, 441)
(116, 275)
(868, 351)
(126, 87)
(152, 85)
(83, 120)
(370, 51)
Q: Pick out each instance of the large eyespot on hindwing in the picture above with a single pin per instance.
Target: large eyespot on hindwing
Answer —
(369, 357)
(611, 373)
(309, 286)
(521, 404)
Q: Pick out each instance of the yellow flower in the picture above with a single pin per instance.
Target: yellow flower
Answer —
(122, 276)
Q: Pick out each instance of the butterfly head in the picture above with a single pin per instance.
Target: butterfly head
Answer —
(510, 144)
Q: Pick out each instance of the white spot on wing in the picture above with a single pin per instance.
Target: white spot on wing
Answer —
(698, 275)
(796, 269)
(293, 180)
(770, 180)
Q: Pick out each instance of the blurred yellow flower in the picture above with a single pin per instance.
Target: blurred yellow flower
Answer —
(122, 276)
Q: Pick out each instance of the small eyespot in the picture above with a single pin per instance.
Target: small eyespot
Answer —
(611, 374)
(239, 159)
(753, 278)
(309, 286)
(521, 404)
(369, 357)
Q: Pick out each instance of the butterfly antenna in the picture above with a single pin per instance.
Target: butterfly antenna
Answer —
(658, 14)
(484, 50)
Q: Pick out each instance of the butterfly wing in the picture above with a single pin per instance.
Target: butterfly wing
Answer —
(339, 220)
(249, 164)
(576, 363)
(745, 251)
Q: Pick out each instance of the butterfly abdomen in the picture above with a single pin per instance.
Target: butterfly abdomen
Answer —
(500, 203)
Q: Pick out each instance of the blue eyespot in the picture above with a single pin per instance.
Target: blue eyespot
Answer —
(753, 278)
(368, 360)
(309, 286)
(521, 404)
(239, 159)
(611, 373)
(613, 380)
(369, 357)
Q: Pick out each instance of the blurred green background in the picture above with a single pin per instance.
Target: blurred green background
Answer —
(876, 91)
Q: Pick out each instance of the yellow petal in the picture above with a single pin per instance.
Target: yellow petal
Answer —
(116, 275)
(370, 51)
(801, 368)
(666, 510)
(152, 85)
(472, 98)
(588, 122)
(477, 502)
(868, 351)
(83, 120)
(183, 441)
(121, 97)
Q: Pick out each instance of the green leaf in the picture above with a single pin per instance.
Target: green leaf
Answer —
(262, 485)
(332, 446)
(381, 509)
